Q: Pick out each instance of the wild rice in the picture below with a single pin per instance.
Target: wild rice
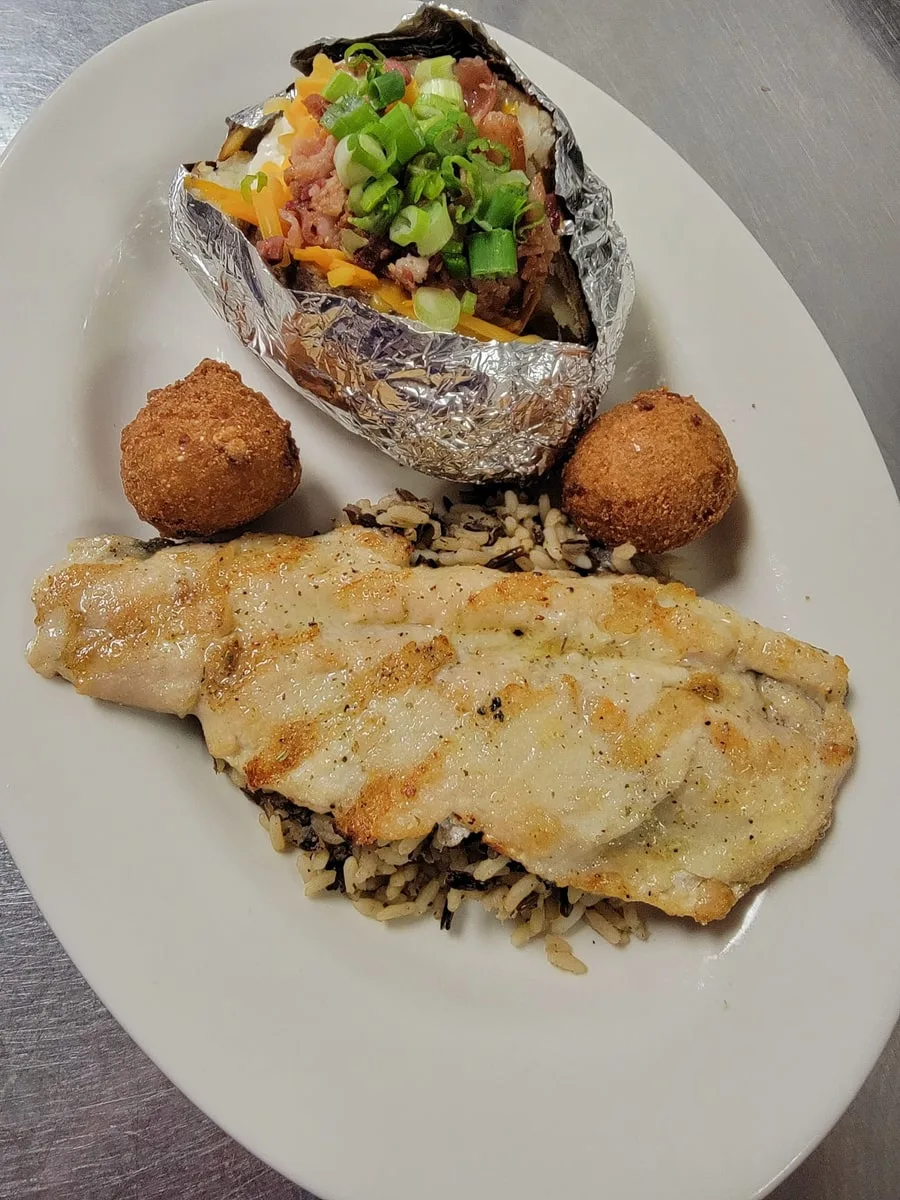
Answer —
(564, 924)
(414, 877)
(509, 531)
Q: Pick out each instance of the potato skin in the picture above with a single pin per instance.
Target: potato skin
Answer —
(656, 472)
(207, 454)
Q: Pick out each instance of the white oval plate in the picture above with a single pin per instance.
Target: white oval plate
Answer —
(374, 1063)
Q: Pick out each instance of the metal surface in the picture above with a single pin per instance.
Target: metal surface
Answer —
(791, 110)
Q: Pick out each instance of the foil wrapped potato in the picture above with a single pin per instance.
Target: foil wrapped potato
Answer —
(465, 330)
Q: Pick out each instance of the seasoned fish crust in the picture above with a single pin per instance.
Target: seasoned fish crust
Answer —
(611, 733)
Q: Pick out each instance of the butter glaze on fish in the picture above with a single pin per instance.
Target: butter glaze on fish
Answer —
(611, 733)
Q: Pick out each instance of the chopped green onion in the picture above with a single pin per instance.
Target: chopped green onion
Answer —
(400, 124)
(467, 303)
(350, 114)
(415, 186)
(465, 182)
(386, 88)
(445, 89)
(430, 228)
(453, 169)
(435, 68)
(409, 225)
(437, 308)
(368, 151)
(503, 206)
(454, 256)
(423, 185)
(538, 214)
(434, 185)
(482, 147)
(340, 84)
(362, 52)
(439, 232)
(426, 108)
(351, 241)
(426, 161)
(424, 177)
(253, 183)
(354, 198)
(350, 170)
(377, 222)
(492, 255)
(373, 193)
(514, 177)
(450, 134)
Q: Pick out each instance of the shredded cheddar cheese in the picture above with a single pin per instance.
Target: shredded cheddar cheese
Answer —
(349, 275)
(230, 201)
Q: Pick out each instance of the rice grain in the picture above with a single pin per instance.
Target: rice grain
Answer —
(320, 882)
(392, 912)
(600, 924)
(276, 833)
(559, 954)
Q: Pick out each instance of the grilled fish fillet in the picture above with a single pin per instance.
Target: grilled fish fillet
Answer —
(611, 733)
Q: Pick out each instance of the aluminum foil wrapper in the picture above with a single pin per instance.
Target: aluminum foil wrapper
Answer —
(441, 403)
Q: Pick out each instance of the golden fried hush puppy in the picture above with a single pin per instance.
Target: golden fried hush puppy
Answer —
(207, 454)
(656, 472)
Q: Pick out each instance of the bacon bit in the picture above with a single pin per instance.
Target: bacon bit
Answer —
(555, 216)
(328, 196)
(316, 105)
(409, 271)
(394, 64)
(505, 129)
(272, 249)
(317, 208)
(294, 234)
(312, 159)
(479, 85)
(318, 229)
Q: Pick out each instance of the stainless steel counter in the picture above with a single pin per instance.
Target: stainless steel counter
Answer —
(791, 110)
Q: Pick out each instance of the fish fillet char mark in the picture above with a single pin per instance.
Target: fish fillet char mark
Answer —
(386, 797)
(415, 665)
(290, 745)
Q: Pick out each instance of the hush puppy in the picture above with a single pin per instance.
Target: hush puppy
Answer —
(207, 454)
(656, 472)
